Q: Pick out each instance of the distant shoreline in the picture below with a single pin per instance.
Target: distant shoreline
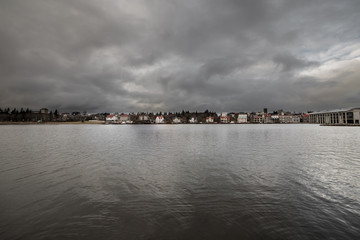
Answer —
(86, 122)
(103, 123)
(48, 123)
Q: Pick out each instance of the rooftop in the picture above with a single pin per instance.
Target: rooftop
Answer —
(337, 110)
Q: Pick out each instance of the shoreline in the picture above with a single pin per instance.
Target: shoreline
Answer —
(86, 123)
(48, 123)
(103, 123)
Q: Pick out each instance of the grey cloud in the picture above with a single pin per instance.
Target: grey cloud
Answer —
(171, 55)
(288, 62)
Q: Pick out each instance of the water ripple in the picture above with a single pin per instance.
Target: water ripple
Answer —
(179, 182)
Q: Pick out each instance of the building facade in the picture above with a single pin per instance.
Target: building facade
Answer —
(111, 118)
(337, 117)
(209, 119)
(176, 120)
(224, 119)
(193, 120)
(159, 119)
(242, 118)
(124, 118)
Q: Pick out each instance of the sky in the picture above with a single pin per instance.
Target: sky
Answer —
(167, 55)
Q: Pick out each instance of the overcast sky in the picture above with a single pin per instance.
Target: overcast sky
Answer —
(152, 55)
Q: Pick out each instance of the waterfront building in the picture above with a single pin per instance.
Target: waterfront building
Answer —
(289, 119)
(159, 119)
(143, 118)
(275, 118)
(193, 120)
(111, 118)
(210, 120)
(176, 120)
(305, 118)
(124, 118)
(257, 119)
(225, 119)
(267, 118)
(242, 118)
(336, 117)
(296, 118)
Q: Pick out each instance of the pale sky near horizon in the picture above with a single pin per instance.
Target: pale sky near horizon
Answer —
(166, 55)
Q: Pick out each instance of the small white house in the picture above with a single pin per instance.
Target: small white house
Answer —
(159, 119)
(112, 118)
(210, 120)
(193, 120)
(176, 120)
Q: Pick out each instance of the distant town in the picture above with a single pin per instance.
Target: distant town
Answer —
(350, 116)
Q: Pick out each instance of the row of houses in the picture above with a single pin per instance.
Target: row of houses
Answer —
(224, 118)
(349, 116)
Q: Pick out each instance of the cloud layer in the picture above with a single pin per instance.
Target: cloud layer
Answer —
(117, 55)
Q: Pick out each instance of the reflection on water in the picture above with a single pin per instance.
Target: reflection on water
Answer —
(179, 182)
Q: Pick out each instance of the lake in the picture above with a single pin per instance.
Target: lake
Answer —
(179, 182)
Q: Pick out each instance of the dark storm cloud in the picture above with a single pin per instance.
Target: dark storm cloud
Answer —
(290, 63)
(172, 55)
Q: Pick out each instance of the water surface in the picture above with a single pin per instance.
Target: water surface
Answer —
(179, 182)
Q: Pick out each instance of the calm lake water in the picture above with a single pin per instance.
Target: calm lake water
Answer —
(179, 182)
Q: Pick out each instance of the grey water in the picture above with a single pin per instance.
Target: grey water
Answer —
(179, 182)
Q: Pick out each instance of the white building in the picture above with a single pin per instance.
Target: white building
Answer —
(159, 119)
(336, 117)
(209, 119)
(176, 120)
(112, 118)
(124, 118)
(193, 120)
(242, 118)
